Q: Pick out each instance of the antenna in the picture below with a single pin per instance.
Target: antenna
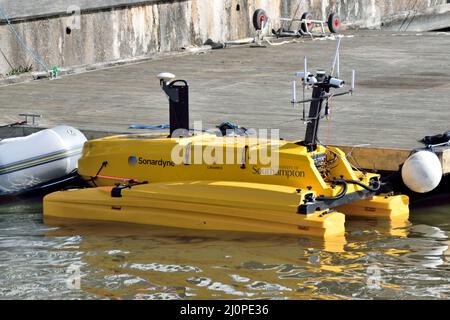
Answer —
(352, 88)
(165, 76)
(338, 66)
(304, 86)
(321, 83)
(294, 92)
(306, 70)
(336, 60)
(308, 80)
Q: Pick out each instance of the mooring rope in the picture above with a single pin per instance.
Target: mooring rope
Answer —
(20, 39)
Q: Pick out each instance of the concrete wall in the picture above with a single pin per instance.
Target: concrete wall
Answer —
(371, 13)
(25, 9)
(432, 18)
(118, 29)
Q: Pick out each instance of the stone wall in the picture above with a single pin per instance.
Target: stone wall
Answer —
(109, 30)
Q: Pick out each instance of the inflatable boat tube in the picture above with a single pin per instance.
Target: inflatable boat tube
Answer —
(48, 155)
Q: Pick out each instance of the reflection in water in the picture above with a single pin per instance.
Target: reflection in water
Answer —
(375, 260)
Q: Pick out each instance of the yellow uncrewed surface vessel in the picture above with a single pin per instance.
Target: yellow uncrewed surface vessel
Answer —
(227, 181)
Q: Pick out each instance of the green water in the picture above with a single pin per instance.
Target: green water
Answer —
(374, 261)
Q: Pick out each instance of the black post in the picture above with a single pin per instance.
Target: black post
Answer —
(178, 93)
(314, 118)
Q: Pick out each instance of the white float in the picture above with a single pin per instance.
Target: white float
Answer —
(39, 158)
(422, 172)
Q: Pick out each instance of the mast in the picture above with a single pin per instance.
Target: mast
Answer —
(315, 110)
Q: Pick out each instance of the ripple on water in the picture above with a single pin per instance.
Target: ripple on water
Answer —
(162, 267)
(118, 262)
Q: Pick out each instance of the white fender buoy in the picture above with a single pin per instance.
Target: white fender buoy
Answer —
(422, 172)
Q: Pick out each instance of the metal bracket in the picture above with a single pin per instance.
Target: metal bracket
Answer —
(33, 117)
(116, 192)
(171, 92)
(432, 147)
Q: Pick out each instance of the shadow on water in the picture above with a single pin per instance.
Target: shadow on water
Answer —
(63, 259)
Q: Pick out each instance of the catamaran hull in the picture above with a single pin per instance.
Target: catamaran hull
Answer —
(216, 205)
(220, 205)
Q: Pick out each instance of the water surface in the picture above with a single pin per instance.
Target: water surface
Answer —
(112, 261)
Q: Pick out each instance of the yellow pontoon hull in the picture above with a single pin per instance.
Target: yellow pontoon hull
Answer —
(220, 205)
(211, 205)
(382, 206)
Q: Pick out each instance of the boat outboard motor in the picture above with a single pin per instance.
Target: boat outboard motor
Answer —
(178, 93)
